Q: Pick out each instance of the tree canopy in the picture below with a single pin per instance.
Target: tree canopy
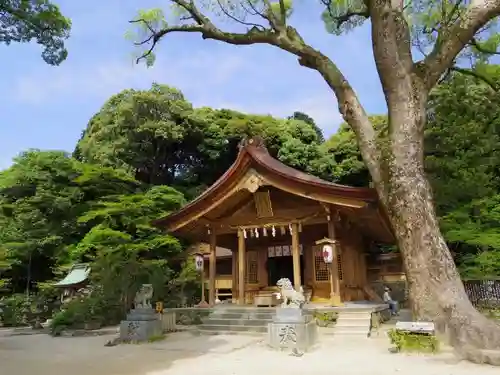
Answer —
(414, 44)
(23, 21)
(160, 138)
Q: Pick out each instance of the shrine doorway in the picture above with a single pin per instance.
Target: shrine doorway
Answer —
(280, 264)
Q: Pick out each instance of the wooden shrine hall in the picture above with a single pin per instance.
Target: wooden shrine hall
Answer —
(273, 217)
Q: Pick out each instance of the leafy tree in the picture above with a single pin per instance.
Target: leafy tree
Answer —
(309, 120)
(125, 249)
(41, 195)
(445, 32)
(26, 20)
(160, 138)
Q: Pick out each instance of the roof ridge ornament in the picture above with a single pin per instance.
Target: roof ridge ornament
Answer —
(255, 141)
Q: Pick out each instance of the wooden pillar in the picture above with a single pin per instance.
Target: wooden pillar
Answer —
(335, 279)
(241, 267)
(296, 256)
(211, 268)
(234, 289)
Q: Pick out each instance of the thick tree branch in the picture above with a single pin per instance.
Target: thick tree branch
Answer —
(391, 44)
(477, 15)
(288, 39)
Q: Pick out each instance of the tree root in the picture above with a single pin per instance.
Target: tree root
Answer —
(480, 356)
(473, 336)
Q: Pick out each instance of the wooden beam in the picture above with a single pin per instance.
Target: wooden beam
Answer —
(296, 256)
(241, 268)
(275, 181)
(234, 290)
(230, 211)
(211, 268)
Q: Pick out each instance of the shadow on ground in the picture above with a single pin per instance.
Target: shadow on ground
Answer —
(45, 355)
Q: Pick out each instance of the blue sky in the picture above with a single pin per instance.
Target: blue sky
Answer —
(47, 107)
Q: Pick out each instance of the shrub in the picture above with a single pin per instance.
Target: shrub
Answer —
(326, 319)
(413, 341)
(93, 308)
(15, 309)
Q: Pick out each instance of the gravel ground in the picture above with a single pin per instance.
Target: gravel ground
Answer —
(184, 353)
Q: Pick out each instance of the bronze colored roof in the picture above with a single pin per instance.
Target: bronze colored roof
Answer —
(254, 155)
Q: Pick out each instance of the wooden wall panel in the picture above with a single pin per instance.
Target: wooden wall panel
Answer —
(263, 274)
(308, 265)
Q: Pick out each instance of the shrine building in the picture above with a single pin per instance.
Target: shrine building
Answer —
(263, 221)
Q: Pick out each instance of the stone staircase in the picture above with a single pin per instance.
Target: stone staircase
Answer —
(254, 321)
(237, 320)
(353, 323)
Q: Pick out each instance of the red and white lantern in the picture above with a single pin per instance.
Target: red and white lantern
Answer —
(198, 261)
(328, 253)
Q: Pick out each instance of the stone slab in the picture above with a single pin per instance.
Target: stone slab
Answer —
(423, 327)
(291, 315)
(300, 336)
(139, 330)
(142, 315)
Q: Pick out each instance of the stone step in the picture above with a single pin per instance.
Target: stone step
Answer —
(346, 323)
(236, 322)
(230, 328)
(354, 316)
(204, 332)
(237, 316)
(350, 332)
(245, 310)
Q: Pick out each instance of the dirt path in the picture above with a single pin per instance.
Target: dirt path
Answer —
(183, 353)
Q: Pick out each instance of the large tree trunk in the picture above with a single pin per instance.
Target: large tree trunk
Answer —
(436, 290)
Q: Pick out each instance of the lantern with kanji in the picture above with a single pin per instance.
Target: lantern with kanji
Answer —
(328, 253)
(327, 249)
(198, 261)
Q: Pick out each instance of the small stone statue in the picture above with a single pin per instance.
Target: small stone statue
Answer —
(142, 299)
(291, 298)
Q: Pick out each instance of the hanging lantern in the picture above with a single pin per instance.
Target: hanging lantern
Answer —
(256, 233)
(328, 253)
(264, 231)
(251, 233)
(244, 233)
(198, 262)
(274, 231)
(290, 228)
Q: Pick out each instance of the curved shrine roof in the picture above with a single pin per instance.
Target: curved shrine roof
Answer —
(254, 155)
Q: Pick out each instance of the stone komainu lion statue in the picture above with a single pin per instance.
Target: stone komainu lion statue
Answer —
(142, 299)
(290, 297)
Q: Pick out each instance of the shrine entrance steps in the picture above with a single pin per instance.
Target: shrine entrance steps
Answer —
(352, 323)
(238, 320)
(352, 320)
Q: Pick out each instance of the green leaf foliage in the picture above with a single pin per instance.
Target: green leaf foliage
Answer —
(41, 21)
(160, 138)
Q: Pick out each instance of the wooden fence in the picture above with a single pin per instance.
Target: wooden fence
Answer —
(483, 292)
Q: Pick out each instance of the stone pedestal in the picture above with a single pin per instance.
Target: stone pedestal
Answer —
(141, 324)
(291, 329)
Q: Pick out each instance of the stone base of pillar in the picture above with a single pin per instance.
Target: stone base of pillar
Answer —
(336, 301)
